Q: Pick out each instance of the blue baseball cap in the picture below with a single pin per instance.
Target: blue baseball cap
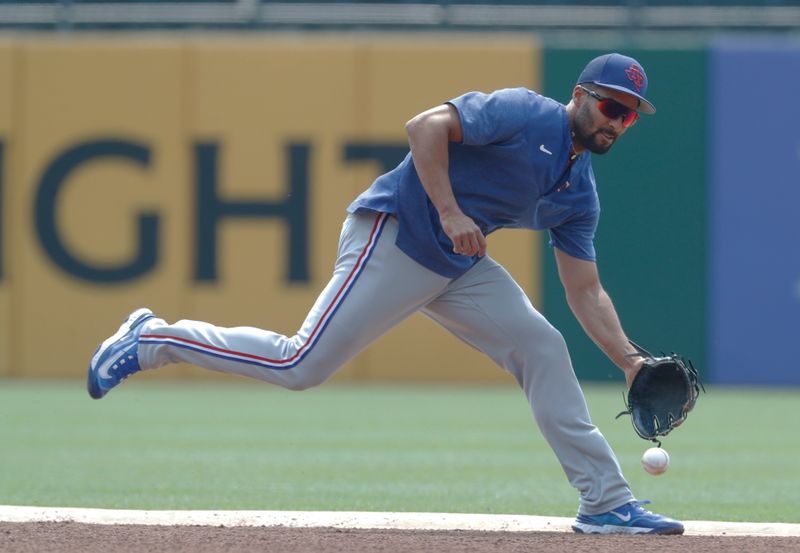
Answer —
(620, 73)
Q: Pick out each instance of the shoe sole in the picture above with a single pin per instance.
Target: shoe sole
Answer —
(134, 319)
(609, 529)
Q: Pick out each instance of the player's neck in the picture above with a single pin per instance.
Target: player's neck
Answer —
(575, 150)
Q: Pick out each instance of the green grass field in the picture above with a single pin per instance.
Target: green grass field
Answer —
(242, 445)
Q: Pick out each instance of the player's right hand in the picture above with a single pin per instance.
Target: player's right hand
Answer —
(466, 236)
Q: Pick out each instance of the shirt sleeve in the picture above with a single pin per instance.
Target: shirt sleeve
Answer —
(576, 237)
(493, 118)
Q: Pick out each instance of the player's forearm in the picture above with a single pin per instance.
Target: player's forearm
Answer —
(428, 139)
(595, 311)
(429, 135)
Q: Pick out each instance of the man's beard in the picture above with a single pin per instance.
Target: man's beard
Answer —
(589, 139)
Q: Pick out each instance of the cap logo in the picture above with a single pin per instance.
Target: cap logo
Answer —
(634, 73)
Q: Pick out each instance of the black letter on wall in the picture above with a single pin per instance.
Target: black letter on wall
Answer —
(51, 183)
(211, 209)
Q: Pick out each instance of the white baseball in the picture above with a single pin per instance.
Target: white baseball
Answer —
(655, 460)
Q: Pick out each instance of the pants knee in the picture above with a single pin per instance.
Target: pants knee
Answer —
(555, 343)
(537, 352)
(300, 384)
(545, 344)
(301, 378)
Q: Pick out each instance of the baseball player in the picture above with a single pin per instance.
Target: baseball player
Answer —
(414, 241)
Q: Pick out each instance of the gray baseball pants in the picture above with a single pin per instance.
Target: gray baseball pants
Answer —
(374, 287)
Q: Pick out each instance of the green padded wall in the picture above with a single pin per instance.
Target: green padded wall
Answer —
(651, 242)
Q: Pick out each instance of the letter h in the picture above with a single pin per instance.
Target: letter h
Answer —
(211, 209)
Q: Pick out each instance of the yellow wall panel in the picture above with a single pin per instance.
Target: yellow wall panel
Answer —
(405, 78)
(107, 131)
(409, 76)
(257, 99)
(81, 96)
(6, 111)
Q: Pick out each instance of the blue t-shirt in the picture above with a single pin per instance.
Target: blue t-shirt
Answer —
(510, 171)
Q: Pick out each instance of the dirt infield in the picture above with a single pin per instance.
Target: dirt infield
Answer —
(69, 537)
(67, 530)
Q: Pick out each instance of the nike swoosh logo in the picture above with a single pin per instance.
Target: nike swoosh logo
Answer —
(623, 518)
(545, 150)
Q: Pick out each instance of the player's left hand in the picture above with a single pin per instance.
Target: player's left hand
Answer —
(661, 393)
(633, 370)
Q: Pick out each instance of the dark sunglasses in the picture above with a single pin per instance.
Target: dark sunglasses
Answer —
(613, 109)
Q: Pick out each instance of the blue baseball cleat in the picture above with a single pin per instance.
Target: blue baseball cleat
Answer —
(116, 358)
(630, 518)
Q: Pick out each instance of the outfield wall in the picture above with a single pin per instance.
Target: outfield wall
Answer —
(698, 240)
(207, 178)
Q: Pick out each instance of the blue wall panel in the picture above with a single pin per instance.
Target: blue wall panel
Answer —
(754, 272)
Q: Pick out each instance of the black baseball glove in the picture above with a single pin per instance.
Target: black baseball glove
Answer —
(662, 394)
